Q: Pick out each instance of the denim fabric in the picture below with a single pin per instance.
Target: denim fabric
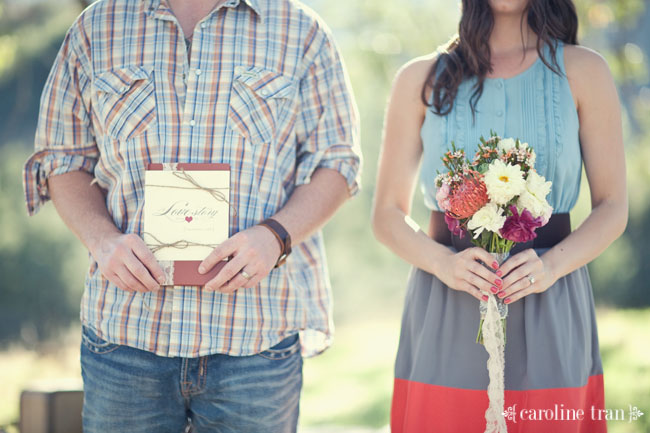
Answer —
(134, 391)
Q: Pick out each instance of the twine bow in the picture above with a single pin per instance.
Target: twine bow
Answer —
(216, 193)
(181, 244)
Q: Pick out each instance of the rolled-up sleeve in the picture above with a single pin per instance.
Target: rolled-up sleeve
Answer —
(328, 121)
(65, 140)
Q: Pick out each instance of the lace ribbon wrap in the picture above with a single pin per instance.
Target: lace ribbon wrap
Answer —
(493, 314)
(168, 269)
(494, 342)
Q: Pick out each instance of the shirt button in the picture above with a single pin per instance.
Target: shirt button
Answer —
(197, 72)
(124, 89)
(499, 84)
(265, 92)
(239, 69)
(192, 122)
(499, 113)
(202, 25)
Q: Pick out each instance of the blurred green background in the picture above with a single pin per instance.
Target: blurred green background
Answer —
(42, 265)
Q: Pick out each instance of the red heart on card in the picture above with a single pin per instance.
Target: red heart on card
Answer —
(188, 219)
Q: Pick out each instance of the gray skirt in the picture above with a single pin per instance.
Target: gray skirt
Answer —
(551, 355)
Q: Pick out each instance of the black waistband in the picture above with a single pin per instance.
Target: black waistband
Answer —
(549, 235)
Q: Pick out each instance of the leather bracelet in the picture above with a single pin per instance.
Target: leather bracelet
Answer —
(283, 237)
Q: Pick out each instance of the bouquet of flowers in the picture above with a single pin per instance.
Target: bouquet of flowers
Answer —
(498, 199)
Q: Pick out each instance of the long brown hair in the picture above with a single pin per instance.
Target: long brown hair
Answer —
(467, 54)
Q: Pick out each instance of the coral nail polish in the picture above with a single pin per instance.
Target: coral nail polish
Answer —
(494, 290)
(507, 301)
(495, 265)
(499, 273)
(485, 298)
(501, 294)
(498, 281)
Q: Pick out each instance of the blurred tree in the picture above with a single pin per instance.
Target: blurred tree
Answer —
(30, 37)
(620, 30)
(41, 264)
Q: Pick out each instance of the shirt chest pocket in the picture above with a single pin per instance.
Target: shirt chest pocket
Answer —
(259, 102)
(125, 101)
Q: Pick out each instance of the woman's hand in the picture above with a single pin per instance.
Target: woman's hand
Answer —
(525, 273)
(463, 271)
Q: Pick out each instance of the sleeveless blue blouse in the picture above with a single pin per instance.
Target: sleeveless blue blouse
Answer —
(535, 106)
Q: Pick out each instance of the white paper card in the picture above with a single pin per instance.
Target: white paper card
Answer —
(187, 219)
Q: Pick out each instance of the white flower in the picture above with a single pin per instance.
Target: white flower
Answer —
(534, 196)
(537, 184)
(506, 144)
(490, 217)
(532, 158)
(503, 181)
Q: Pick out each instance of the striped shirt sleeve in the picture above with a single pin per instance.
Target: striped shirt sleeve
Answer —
(65, 140)
(327, 126)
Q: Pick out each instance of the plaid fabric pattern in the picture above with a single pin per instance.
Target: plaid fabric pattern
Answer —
(264, 90)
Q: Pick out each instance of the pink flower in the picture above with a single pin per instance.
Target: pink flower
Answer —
(520, 228)
(442, 197)
(454, 226)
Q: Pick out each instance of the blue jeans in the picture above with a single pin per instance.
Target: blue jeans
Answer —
(134, 391)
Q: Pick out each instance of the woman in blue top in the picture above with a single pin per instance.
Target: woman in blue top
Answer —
(515, 68)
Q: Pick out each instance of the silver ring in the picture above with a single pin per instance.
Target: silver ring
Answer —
(246, 274)
(531, 279)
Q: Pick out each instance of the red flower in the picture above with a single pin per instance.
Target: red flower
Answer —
(520, 228)
(454, 226)
(468, 197)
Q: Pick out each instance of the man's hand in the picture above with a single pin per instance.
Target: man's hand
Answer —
(126, 262)
(252, 254)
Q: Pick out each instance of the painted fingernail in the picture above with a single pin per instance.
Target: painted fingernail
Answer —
(485, 298)
(499, 273)
(501, 294)
(494, 289)
(507, 301)
(498, 281)
(495, 265)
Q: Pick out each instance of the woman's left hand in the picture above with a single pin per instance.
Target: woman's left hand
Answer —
(523, 274)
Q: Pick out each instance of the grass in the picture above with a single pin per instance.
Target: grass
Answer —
(626, 358)
(350, 384)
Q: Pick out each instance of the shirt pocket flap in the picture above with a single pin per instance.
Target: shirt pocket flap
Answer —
(266, 83)
(119, 81)
(125, 101)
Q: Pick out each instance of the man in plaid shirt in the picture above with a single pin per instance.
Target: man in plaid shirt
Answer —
(256, 84)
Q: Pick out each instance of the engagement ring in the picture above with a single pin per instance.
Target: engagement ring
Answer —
(246, 275)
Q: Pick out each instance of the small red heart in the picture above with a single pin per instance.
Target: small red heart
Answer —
(188, 219)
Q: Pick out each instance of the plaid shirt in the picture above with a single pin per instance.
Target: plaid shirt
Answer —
(265, 91)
